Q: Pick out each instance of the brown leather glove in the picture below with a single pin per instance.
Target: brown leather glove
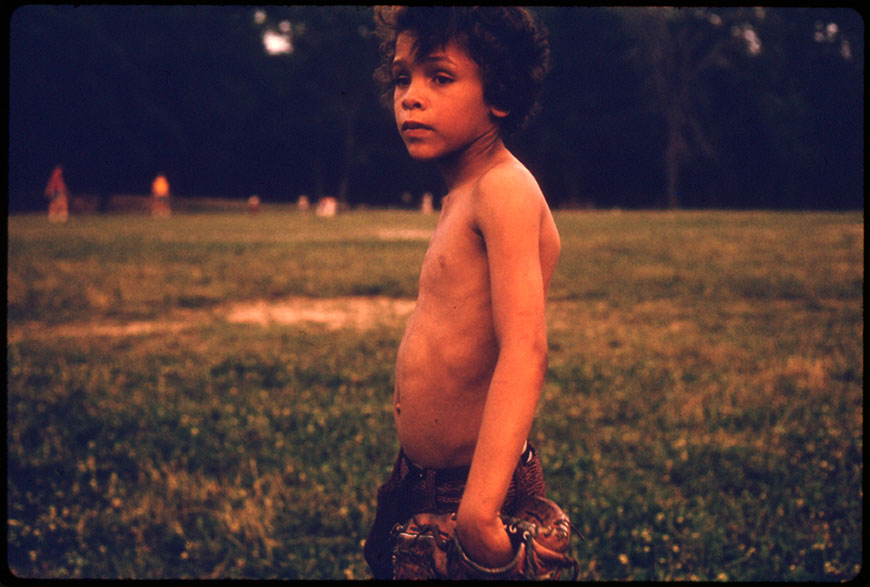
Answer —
(427, 547)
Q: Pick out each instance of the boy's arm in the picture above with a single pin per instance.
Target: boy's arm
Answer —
(509, 208)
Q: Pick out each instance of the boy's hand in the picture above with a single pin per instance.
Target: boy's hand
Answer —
(430, 546)
(486, 543)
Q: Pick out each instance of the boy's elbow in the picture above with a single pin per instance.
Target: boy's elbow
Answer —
(538, 342)
(537, 359)
(534, 351)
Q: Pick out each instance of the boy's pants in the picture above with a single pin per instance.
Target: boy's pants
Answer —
(411, 490)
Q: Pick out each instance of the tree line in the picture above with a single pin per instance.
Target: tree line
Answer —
(648, 107)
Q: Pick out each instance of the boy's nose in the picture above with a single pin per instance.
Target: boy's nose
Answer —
(412, 98)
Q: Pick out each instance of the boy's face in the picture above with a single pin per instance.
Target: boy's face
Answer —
(438, 100)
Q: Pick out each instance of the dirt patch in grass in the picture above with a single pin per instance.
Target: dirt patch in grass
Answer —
(402, 234)
(341, 312)
(362, 312)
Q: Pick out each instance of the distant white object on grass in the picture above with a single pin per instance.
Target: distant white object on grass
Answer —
(426, 205)
(327, 207)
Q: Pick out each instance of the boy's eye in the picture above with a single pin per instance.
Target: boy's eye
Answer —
(443, 80)
(401, 79)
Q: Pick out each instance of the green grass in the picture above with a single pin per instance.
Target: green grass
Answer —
(138, 267)
(702, 417)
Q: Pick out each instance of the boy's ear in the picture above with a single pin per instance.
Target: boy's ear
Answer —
(498, 112)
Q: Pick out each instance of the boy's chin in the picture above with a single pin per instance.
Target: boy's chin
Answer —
(420, 152)
(423, 155)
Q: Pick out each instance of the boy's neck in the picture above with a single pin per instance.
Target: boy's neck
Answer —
(470, 162)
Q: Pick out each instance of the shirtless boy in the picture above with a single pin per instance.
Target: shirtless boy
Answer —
(472, 361)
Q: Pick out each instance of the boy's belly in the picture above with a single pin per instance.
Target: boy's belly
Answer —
(443, 371)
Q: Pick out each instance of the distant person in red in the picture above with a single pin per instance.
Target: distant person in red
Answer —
(58, 196)
(160, 197)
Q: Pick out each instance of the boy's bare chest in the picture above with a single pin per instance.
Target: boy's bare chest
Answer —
(455, 258)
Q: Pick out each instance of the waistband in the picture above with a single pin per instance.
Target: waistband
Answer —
(455, 472)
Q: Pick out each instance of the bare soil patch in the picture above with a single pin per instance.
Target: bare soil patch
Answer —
(342, 312)
(401, 234)
(362, 312)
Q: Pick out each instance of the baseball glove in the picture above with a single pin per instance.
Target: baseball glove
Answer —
(426, 546)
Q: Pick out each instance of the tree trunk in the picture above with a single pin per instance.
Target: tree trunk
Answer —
(319, 187)
(673, 153)
(672, 171)
(349, 145)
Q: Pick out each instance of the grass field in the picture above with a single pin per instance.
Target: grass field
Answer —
(209, 395)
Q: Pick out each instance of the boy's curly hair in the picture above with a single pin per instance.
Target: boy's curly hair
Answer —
(509, 47)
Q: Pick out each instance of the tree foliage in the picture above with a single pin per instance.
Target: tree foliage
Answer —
(644, 107)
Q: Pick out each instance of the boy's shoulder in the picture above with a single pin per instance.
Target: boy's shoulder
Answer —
(509, 184)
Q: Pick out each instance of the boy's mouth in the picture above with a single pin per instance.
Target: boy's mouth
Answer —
(412, 125)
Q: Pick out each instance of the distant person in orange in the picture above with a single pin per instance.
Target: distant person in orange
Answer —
(254, 204)
(58, 196)
(160, 197)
